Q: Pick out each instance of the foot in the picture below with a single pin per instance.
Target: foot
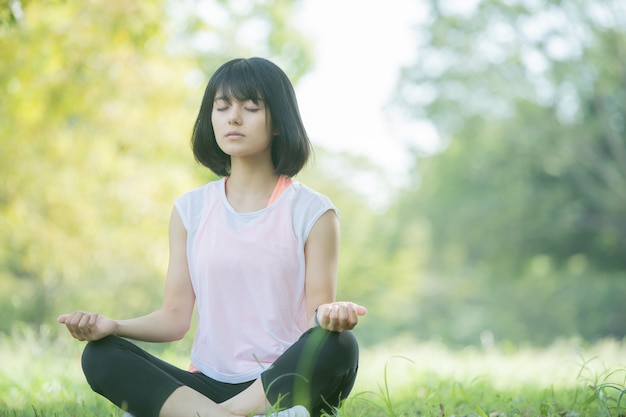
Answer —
(295, 411)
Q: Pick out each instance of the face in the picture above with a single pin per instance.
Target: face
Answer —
(242, 128)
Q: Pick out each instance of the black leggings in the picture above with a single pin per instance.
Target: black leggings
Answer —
(318, 372)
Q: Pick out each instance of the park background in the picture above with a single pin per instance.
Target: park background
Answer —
(501, 223)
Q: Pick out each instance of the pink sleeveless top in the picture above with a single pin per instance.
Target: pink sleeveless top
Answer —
(247, 272)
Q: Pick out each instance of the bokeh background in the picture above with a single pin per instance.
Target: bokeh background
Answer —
(501, 220)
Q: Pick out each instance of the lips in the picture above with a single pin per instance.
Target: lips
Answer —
(234, 135)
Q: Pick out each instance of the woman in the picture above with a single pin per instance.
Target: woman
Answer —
(257, 253)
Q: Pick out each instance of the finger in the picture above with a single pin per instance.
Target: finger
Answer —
(92, 326)
(83, 325)
(342, 316)
(62, 318)
(73, 332)
(342, 312)
(71, 320)
(93, 319)
(324, 316)
(75, 318)
(361, 311)
(332, 315)
(80, 325)
(83, 320)
(353, 318)
(71, 325)
(347, 316)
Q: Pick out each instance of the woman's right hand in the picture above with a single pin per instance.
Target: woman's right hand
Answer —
(88, 326)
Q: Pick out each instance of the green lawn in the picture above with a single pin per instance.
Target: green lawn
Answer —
(40, 376)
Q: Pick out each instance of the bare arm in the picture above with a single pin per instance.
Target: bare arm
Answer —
(168, 323)
(321, 254)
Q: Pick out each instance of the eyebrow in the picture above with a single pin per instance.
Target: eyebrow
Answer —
(229, 99)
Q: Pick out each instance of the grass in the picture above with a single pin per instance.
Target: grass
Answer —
(40, 376)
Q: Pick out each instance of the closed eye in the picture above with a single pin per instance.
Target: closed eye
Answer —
(221, 104)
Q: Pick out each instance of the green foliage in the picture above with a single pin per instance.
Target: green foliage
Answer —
(95, 118)
(529, 101)
(472, 307)
(218, 29)
(529, 98)
(73, 153)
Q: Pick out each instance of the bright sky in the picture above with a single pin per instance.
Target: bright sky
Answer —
(360, 47)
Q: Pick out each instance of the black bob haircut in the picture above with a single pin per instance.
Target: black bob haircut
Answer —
(254, 79)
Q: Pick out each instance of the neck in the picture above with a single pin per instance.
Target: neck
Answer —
(251, 170)
(251, 177)
(250, 190)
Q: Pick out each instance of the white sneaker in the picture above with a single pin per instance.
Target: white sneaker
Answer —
(295, 411)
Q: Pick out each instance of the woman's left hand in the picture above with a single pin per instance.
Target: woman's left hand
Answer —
(339, 316)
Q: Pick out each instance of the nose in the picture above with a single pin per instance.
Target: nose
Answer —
(234, 116)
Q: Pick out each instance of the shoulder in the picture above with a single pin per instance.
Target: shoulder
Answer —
(308, 206)
(200, 192)
(308, 195)
(305, 196)
(192, 201)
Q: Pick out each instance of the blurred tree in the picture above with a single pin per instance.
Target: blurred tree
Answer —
(530, 100)
(212, 30)
(525, 205)
(96, 108)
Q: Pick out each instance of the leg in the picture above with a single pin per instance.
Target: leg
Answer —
(252, 400)
(147, 386)
(189, 402)
(318, 371)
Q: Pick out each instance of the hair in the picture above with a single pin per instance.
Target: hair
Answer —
(254, 79)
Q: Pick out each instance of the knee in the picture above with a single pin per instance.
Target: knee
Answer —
(347, 340)
(95, 352)
(349, 346)
(96, 360)
(341, 349)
